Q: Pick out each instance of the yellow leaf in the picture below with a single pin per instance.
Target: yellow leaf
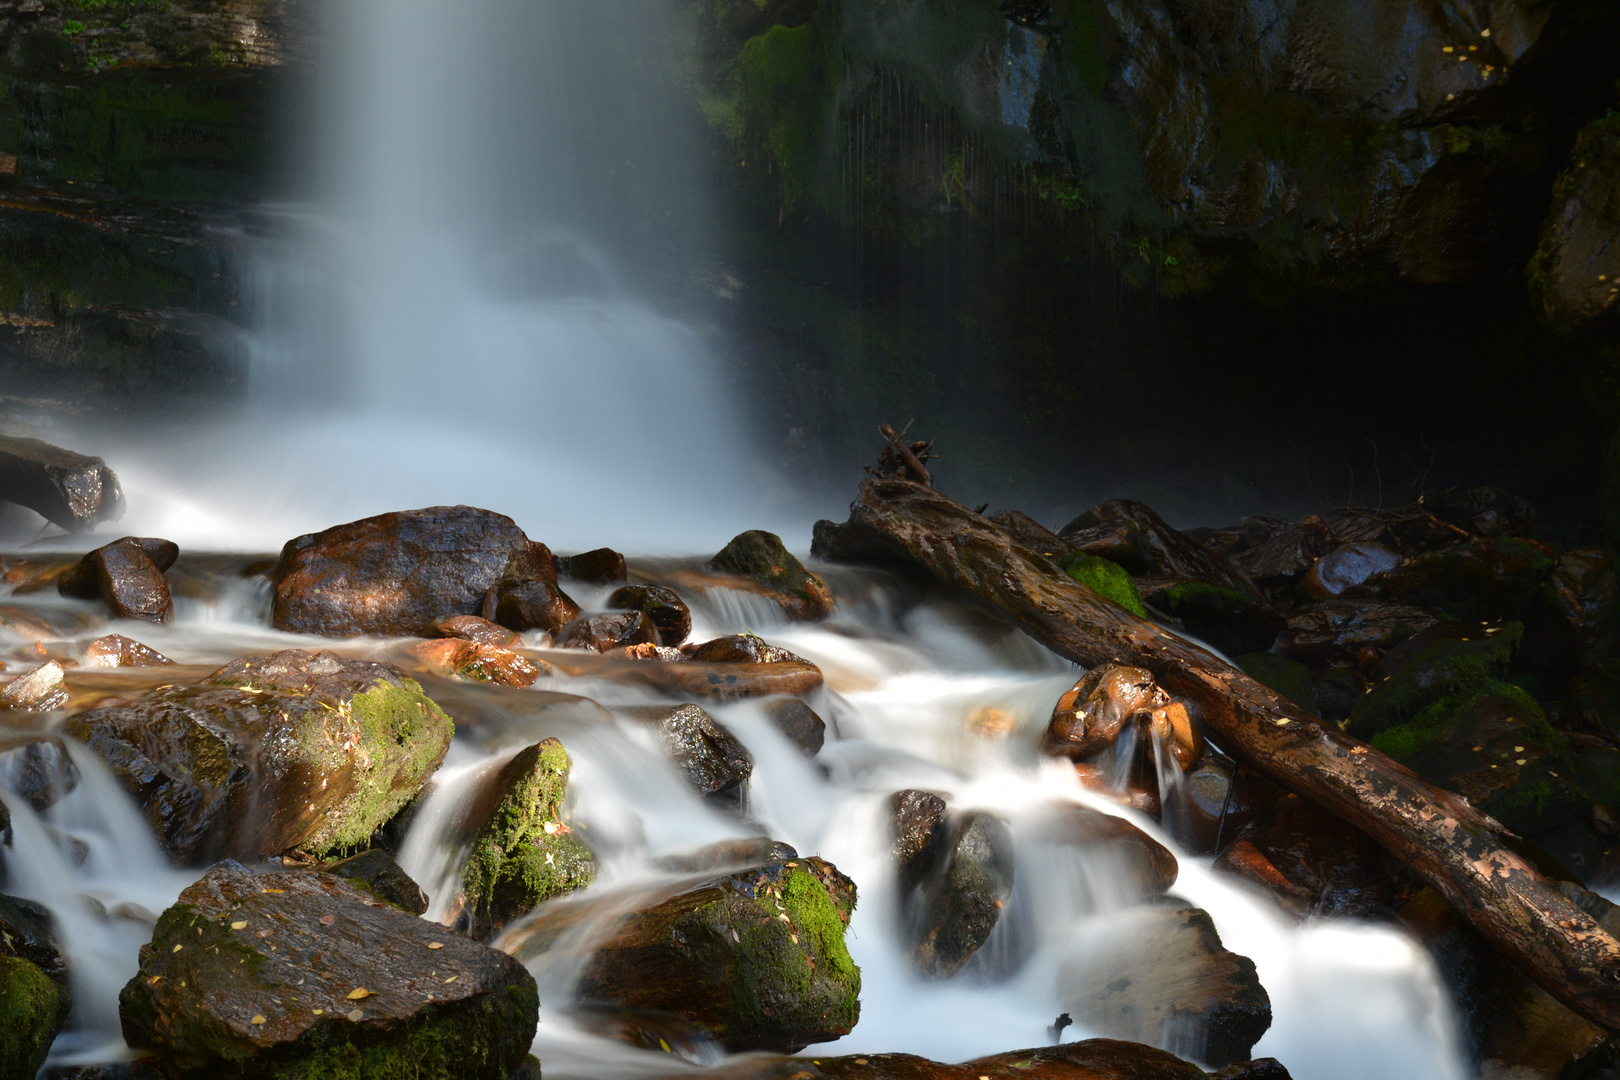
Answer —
(257, 1020)
(273, 890)
(435, 944)
(177, 948)
(318, 1012)
(238, 926)
(451, 979)
(359, 993)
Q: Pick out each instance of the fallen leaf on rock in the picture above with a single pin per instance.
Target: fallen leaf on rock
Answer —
(273, 890)
(451, 979)
(359, 993)
(257, 1020)
(318, 1012)
(356, 1015)
(435, 944)
(177, 948)
(328, 920)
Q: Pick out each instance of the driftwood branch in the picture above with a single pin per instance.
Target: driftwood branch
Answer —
(906, 453)
(1456, 848)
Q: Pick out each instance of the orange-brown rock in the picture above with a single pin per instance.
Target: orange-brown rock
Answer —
(455, 658)
(116, 650)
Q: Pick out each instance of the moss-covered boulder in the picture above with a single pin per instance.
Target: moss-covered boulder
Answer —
(25, 933)
(523, 851)
(753, 960)
(1232, 620)
(760, 558)
(290, 751)
(1288, 677)
(1450, 660)
(377, 873)
(1491, 578)
(1106, 579)
(32, 1011)
(302, 974)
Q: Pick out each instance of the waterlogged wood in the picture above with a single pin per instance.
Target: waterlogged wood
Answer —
(1459, 850)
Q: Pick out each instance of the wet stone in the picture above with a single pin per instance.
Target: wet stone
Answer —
(920, 826)
(529, 604)
(664, 607)
(303, 972)
(799, 722)
(1319, 634)
(960, 904)
(456, 658)
(1090, 716)
(1144, 866)
(603, 566)
(37, 690)
(25, 933)
(118, 651)
(601, 633)
(67, 489)
(760, 557)
(377, 873)
(125, 576)
(476, 629)
(709, 756)
(1347, 567)
(741, 649)
(36, 768)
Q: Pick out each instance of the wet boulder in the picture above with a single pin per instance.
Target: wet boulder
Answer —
(1090, 716)
(1288, 677)
(741, 649)
(799, 723)
(70, 490)
(456, 658)
(1089, 1059)
(290, 751)
(1580, 595)
(708, 755)
(664, 607)
(1313, 863)
(919, 827)
(601, 633)
(126, 577)
(304, 973)
(523, 850)
(751, 960)
(1343, 630)
(1285, 553)
(118, 651)
(603, 566)
(36, 768)
(1576, 268)
(32, 1010)
(376, 872)
(1347, 567)
(400, 573)
(1159, 975)
(81, 579)
(25, 934)
(524, 604)
(37, 690)
(475, 629)
(760, 557)
(1490, 578)
(962, 902)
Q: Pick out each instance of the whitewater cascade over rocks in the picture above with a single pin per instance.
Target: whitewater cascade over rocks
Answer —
(919, 695)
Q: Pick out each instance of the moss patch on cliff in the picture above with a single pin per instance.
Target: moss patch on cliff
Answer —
(30, 1016)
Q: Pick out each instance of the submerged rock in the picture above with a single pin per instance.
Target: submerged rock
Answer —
(708, 755)
(291, 751)
(761, 557)
(919, 825)
(1141, 865)
(38, 690)
(1160, 976)
(400, 573)
(1091, 1059)
(301, 973)
(118, 651)
(799, 723)
(36, 768)
(962, 903)
(664, 607)
(523, 851)
(67, 489)
(753, 960)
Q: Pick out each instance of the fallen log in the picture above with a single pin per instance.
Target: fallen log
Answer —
(1463, 853)
(66, 489)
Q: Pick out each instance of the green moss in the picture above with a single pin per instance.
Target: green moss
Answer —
(1445, 670)
(403, 736)
(516, 864)
(72, 27)
(1106, 579)
(1288, 677)
(780, 973)
(30, 1016)
(1083, 45)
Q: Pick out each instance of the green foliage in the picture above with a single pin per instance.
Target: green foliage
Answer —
(72, 27)
(1444, 669)
(1106, 579)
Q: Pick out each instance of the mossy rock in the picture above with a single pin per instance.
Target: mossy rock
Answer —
(1106, 579)
(32, 1011)
(1288, 677)
(523, 852)
(1437, 667)
(290, 751)
(752, 960)
(301, 974)
(762, 558)
(1231, 620)
(1490, 578)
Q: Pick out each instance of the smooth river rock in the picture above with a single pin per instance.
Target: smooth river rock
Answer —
(67, 489)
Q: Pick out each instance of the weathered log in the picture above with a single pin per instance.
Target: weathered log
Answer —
(66, 489)
(1463, 853)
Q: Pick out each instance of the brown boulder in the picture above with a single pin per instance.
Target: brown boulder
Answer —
(664, 607)
(600, 633)
(1160, 975)
(302, 973)
(1145, 867)
(603, 566)
(709, 756)
(291, 751)
(523, 604)
(799, 722)
(67, 489)
(400, 573)
(921, 837)
(740, 649)
(126, 577)
(1090, 716)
